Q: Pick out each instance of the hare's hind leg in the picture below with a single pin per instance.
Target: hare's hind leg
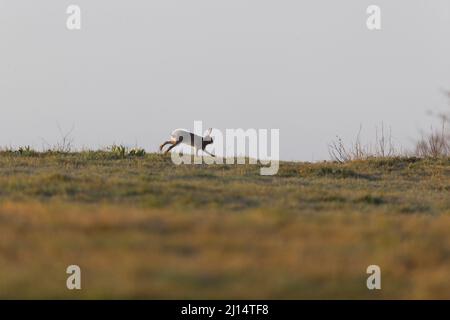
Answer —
(165, 143)
(174, 144)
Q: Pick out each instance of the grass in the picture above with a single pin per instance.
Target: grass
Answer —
(141, 227)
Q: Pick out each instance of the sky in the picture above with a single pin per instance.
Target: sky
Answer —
(138, 69)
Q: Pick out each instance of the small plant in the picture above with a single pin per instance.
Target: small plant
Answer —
(26, 151)
(118, 150)
(122, 151)
(137, 152)
(65, 143)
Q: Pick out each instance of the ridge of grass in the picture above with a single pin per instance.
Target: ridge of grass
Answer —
(141, 227)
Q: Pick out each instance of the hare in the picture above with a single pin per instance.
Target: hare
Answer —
(183, 136)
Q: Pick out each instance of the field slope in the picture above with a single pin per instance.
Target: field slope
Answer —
(141, 227)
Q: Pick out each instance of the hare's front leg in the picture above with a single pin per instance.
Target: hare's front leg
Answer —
(209, 153)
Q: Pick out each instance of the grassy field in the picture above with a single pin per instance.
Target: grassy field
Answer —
(141, 227)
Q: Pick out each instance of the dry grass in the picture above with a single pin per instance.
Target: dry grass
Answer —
(434, 144)
(383, 147)
(144, 228)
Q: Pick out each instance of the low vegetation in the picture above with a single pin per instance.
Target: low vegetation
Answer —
(141, 227)
(433, 143)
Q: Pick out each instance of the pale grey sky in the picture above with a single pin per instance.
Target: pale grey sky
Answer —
(140, 68)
